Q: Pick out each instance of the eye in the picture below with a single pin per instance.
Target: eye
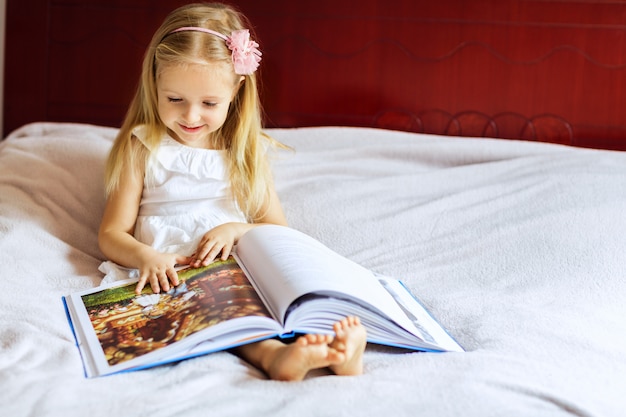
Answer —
(174, 100)
(210, 104)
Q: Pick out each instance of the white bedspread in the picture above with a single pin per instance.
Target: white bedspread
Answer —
(518, 249)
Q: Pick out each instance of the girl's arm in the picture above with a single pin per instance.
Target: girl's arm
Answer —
(220, 240)
(118, 244)
(273, 211)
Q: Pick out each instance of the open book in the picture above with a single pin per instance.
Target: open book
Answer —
(279, 283)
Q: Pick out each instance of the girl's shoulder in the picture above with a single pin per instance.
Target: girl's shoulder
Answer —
(151, 139)
(141, 133)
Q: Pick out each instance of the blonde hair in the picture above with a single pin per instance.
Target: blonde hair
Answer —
(241, 134)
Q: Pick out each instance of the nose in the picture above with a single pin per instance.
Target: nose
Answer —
(191, 114)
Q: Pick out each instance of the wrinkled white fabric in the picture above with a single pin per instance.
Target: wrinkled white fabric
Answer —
(517, 248)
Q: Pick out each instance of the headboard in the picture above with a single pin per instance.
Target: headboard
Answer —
(545, 70)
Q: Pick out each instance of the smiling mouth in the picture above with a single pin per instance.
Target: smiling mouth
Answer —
(189, 129)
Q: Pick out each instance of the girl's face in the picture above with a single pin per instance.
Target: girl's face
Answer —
(193, 100)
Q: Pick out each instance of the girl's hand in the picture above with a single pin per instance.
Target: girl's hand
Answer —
(219, 240)
(158, 269)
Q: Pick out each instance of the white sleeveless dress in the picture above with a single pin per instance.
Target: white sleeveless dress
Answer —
(188, 195)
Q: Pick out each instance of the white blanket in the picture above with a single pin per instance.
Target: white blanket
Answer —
(517, 248)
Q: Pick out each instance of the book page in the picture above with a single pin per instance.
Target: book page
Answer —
(429, 328)
(287, 264)
(120, 329)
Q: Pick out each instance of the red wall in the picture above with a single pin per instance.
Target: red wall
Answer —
(541, 70)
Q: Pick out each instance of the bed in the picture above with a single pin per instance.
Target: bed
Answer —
(514, 244)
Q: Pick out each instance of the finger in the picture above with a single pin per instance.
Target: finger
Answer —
(212, 254)
(164, 281)
(185, 260)
(204, 250)
(226, 251)
(141, 283)
(195, 260)
(173, 276)
(204, 254)
(190, 260)
(154, 284)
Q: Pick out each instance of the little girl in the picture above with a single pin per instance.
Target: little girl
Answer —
(188, 174)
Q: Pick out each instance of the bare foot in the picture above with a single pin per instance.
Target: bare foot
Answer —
(350, 340)
(292, 362)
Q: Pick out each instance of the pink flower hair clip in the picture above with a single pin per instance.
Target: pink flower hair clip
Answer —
(244, 51)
